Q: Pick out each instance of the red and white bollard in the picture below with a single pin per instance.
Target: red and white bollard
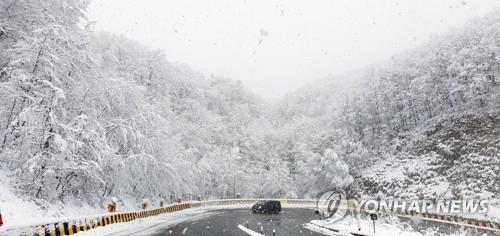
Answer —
(1, 221)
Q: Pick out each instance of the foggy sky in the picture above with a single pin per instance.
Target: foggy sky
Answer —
(274, 46)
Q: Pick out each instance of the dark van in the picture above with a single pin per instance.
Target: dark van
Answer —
(268, 206)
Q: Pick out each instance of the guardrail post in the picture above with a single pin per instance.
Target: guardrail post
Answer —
(41, 230)
(75, 227)
(72, 227)
(82, 225)
(66, 229)
(87, 225)
(49, 231)
(59, 229)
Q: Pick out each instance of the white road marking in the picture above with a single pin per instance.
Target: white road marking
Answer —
(248, 231)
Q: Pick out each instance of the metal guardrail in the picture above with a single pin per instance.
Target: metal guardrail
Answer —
(448, 219)
(456, 220)
(70, 227)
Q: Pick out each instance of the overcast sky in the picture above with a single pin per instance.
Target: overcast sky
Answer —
(273, 46)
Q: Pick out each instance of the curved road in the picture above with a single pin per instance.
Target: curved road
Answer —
(288, 222)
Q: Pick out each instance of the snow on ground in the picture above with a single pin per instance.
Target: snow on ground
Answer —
(412, 177)
(364, 226)
(13, 208)
(18, 211)
(150, 225)
(409, 177)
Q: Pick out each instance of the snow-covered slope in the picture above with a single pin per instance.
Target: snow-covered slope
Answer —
(424, 124)
(458, 157)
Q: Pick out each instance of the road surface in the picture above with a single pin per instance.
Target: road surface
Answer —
(225, 222)
(199, 222)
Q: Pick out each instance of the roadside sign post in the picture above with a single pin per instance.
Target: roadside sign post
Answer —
(374, 217)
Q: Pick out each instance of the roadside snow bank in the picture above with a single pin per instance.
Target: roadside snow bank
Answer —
(18, 211)
(388, 227)
(346, 227)
(150, 225)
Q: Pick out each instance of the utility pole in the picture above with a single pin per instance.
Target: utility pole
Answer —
(279, 185)
(234, 187)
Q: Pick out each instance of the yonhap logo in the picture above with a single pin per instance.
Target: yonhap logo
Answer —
(332, 205)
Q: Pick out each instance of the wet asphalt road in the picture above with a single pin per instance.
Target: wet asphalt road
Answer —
(288, 222)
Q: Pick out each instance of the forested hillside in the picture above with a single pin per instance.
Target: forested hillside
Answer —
(424, 123)
(90, 116)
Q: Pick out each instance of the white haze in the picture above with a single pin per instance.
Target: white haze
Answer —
(274, 47)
